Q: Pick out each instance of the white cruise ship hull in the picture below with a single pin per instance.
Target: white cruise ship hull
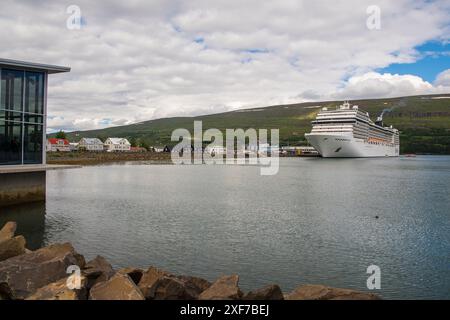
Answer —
(345, 146)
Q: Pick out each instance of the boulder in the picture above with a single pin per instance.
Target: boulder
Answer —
(269, 292)
(134, 273)
(12, 247)
(194, 284)
(119, 287)
(171, 287)
(59, 290)
(225, 288)
(98, 270)
(22, 275)
(149, 278)
(8, 231)
(319, 292)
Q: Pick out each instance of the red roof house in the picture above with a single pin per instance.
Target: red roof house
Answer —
(54, 144)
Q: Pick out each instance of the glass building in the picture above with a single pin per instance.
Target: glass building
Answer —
(23, 110)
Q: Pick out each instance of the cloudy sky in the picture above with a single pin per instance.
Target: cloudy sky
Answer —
(139, 60)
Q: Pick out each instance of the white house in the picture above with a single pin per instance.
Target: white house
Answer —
(265, 148)
(117, 144)
(90, 144)
(54, 145)
(215, 149)
(73, 146)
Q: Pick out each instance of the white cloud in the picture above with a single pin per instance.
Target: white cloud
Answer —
(373, 85)
(443, 79)
(138, 60)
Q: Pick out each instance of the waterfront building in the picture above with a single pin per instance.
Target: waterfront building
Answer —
(90, 144)
(58, 145)
(23, 111)
(213, 150)
(117, 144)
(73, 146)
(299, 151)
(157, 149)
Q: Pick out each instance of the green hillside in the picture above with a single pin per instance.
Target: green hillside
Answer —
(424, 123)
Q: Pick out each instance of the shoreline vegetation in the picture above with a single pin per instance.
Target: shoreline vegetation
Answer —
(96, 158)
(86, 158)
(44, 274)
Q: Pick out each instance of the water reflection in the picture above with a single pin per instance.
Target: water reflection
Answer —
(30, 218)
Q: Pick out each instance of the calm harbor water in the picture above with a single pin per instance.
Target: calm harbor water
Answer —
(313, 222)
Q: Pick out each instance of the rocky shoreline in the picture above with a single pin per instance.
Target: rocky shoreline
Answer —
(58, 272)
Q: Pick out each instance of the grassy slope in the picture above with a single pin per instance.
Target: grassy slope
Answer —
(424, 123)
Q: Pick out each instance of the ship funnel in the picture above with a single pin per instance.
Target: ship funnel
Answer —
(379, 120)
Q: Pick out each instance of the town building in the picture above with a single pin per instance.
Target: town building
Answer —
(90, 144)
(117, 145)
(58, 145)
(215, 150)
(73, 146)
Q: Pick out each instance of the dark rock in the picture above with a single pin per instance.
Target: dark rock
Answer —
(22, 275)
(8, 231)
(119, 287)
(319, 292)
(98, 270)
(12, 247)
(164, 286)
(225, 288)
(134, 273)
(169, 288)
(195, 285)
(60, 291)
(149, 278)
(270, 292)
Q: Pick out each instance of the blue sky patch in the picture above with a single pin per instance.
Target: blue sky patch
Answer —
(435, 58)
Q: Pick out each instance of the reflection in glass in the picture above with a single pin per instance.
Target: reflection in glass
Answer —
(10, 142)
(33, 118)
(32, 143)
(11, 90)
(34, 92)
(7, 115)
(21, 120)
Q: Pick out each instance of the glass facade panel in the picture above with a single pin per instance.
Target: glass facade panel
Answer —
(10, 142)
(32, 143)
(12, 90)
(33, 118)
(21, 120)
(34, 92)
(7, 115)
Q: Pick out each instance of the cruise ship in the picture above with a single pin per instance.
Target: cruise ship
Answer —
(347, 132)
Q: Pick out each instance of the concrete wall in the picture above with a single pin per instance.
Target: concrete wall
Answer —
(22, 187)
